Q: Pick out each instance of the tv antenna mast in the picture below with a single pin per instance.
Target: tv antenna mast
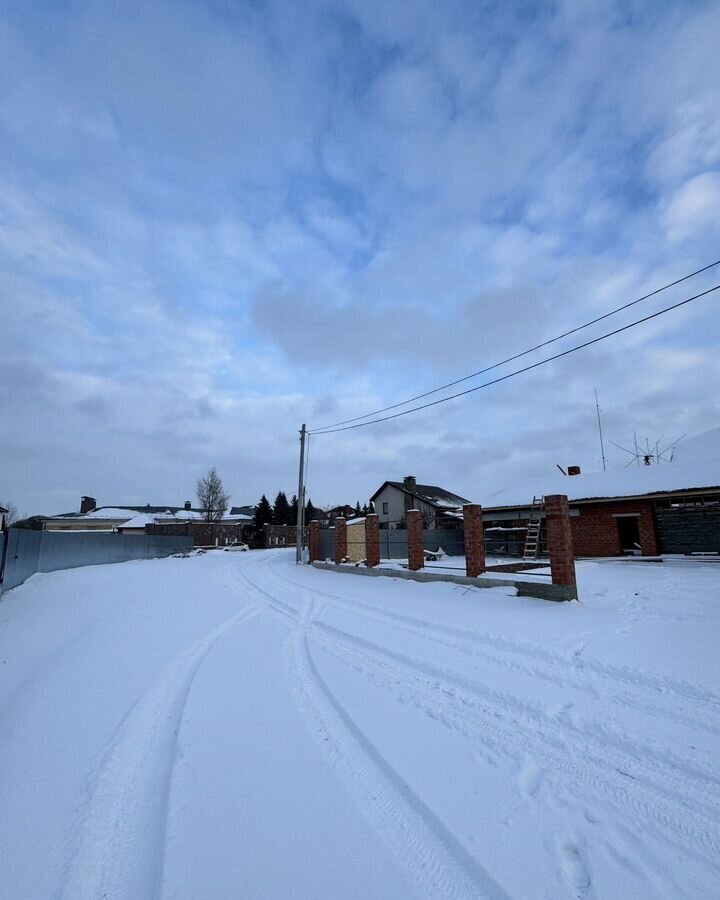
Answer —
(602, 445)
(650, 454)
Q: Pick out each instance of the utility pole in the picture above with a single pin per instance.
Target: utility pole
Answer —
(301, 498)
(602, 445)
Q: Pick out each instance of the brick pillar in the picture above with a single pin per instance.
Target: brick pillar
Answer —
(559, 539)
(314, 540)
(372, 540)
(474, 539)
(340, 538)
(416, 557)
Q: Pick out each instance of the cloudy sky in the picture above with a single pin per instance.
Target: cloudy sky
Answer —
(219, 220)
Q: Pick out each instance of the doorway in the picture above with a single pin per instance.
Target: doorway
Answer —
(629, 534)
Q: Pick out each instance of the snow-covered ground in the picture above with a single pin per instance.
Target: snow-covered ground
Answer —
(231, 726)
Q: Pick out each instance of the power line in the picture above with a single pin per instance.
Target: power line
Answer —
(523, 353)
(535, 365)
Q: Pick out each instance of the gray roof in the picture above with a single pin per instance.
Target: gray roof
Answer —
(428, 493)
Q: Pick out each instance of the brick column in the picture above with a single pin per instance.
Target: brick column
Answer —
(474, 540)
(416, 557)
(372, 540)
(314, 540)
(340, 539)
(559, 539)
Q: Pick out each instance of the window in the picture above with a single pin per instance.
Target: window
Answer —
(385, 509)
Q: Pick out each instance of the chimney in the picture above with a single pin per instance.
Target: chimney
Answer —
(87, 504)
(573, 470)
(409, 483)
(188, 504)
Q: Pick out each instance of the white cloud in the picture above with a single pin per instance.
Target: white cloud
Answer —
(694, 209)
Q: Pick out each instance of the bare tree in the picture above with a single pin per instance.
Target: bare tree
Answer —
(211, 496)
(12, 512)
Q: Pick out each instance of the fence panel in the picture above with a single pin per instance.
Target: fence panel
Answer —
(49, 551)
(327, 543)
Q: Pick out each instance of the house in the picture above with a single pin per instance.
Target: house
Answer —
(344, 511)
(139, 519)
(440, 508)
(669, 507)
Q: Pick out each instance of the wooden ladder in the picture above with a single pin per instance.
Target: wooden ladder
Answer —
(532, 538)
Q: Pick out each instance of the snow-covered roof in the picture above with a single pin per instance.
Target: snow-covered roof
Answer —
(695, 467)
(429, 493)
(356, 521)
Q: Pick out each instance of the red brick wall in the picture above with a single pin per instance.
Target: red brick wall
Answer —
(340, 539)
(560, 540)
(372, 540)
(314, 540)
(416, 556)
(474, 540)
(595, 531)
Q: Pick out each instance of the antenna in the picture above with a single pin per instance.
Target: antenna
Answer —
(649, 454)
(602, 446)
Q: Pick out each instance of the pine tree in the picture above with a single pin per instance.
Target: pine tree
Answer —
(358, 510)
(292, 517)
(365, 509)
(263, 514)
(310, 512)
(281, 509)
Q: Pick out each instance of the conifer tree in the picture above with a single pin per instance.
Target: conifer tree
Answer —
(358, 509)
(263, 514)
(310, 512)
(292, 517)
(281, 509)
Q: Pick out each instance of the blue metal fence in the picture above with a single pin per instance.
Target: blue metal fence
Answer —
(47, 551)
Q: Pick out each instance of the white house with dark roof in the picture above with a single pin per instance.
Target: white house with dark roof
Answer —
(440, 507)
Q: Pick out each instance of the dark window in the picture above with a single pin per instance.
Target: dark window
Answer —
(385, 509)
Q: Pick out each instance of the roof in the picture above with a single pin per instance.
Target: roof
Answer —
(3, 510)
(428, 493)
(696, 467)
(243, 511)
(144, 515)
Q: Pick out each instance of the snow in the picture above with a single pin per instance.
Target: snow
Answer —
(696, 465)
(231, 725)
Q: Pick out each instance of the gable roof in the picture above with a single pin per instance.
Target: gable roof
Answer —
(428, 493)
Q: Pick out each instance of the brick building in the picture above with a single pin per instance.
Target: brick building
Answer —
(663, 508)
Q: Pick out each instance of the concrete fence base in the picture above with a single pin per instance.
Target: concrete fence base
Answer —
(558, 592)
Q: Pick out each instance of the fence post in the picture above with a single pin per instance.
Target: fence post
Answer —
(340, 539)
(474, 540)
(560, 542)
(314, 542)
(372, 540)
(416, 556)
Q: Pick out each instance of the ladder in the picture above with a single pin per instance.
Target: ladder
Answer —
(532, 539)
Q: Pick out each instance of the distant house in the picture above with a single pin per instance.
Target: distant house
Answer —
(133, 519)
(440, 508)
(667, 508)
(346, 512)
(3, 516)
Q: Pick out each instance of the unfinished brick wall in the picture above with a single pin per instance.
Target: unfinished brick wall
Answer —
(474, 540)
(560, 542)
(416, 556)
(595, 530)
(340, 539)
(372, 540)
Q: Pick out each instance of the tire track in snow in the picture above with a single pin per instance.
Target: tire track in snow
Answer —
(431, 854)
(121, 839)
(650, 788)
(693, 705)
(462, 708)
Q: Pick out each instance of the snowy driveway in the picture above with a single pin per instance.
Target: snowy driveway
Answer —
(231, 726)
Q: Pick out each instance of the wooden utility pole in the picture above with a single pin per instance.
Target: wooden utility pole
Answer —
(301, 498)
